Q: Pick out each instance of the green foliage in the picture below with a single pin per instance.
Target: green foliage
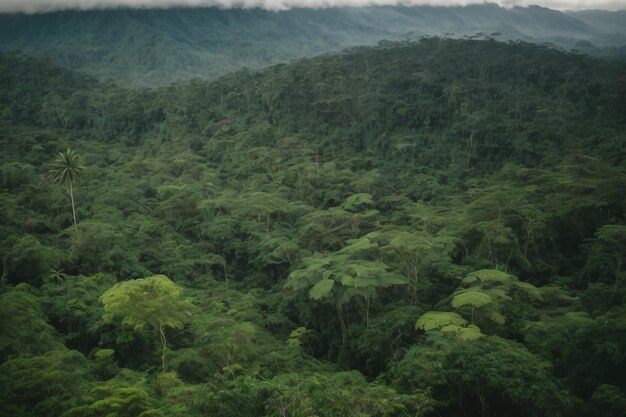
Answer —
(356, 202)
(549, 332)
(24, 326)
(447, 324)
(441, 218)
(595, 351)
(607, 400)
(475, 299)
(484, 377)
(490, 293)
(45, 385)
(608, 253)
(353, 277)
(116, 402)
(422, 254)
(100, 247)
(342, 394)
(154, 301)
(340, 280)
(295, 337)
(27, 259)
(72, 304)
(321, 289)
(104, 353)
(65, 170)
(435, 320)
(308, 394)
(385, 338)
(488, 276)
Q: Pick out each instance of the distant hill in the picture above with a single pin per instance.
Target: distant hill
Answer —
(156, 47)
(611, 22)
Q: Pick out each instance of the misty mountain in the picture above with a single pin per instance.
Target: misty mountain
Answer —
(611, 22)
(156, 47)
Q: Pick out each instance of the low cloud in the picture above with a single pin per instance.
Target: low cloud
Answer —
(37, 6)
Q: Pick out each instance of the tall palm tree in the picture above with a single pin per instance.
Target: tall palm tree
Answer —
(66, 170)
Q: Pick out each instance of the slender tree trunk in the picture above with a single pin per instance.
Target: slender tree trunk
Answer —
(342, 323)
(617, 275)
(469, 150)
(164, 344)
(528, 233)
(73, 207)
(618, 272)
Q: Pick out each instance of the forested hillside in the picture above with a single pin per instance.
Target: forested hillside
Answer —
(155, 47)
(425, 229)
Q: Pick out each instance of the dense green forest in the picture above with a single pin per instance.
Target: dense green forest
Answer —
(152, 47)
(413, 229)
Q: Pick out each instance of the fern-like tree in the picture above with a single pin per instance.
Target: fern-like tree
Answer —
(66, 170)
(337, 278)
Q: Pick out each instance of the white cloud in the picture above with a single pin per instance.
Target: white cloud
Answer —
(31, 6)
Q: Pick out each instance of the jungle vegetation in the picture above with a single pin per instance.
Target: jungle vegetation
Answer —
(413, 229)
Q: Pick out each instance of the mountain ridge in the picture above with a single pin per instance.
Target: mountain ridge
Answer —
(149, 47)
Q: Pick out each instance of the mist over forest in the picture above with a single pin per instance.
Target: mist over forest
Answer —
(340, 212)
(154, 47)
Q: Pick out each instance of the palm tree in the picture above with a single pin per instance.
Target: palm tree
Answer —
(66, 170)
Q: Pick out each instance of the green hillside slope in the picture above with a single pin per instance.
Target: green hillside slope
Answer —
(427, 229)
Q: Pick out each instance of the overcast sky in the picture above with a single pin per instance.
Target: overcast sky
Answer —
(30, 6)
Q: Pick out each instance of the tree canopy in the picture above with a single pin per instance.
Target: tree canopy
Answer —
(430, 228)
